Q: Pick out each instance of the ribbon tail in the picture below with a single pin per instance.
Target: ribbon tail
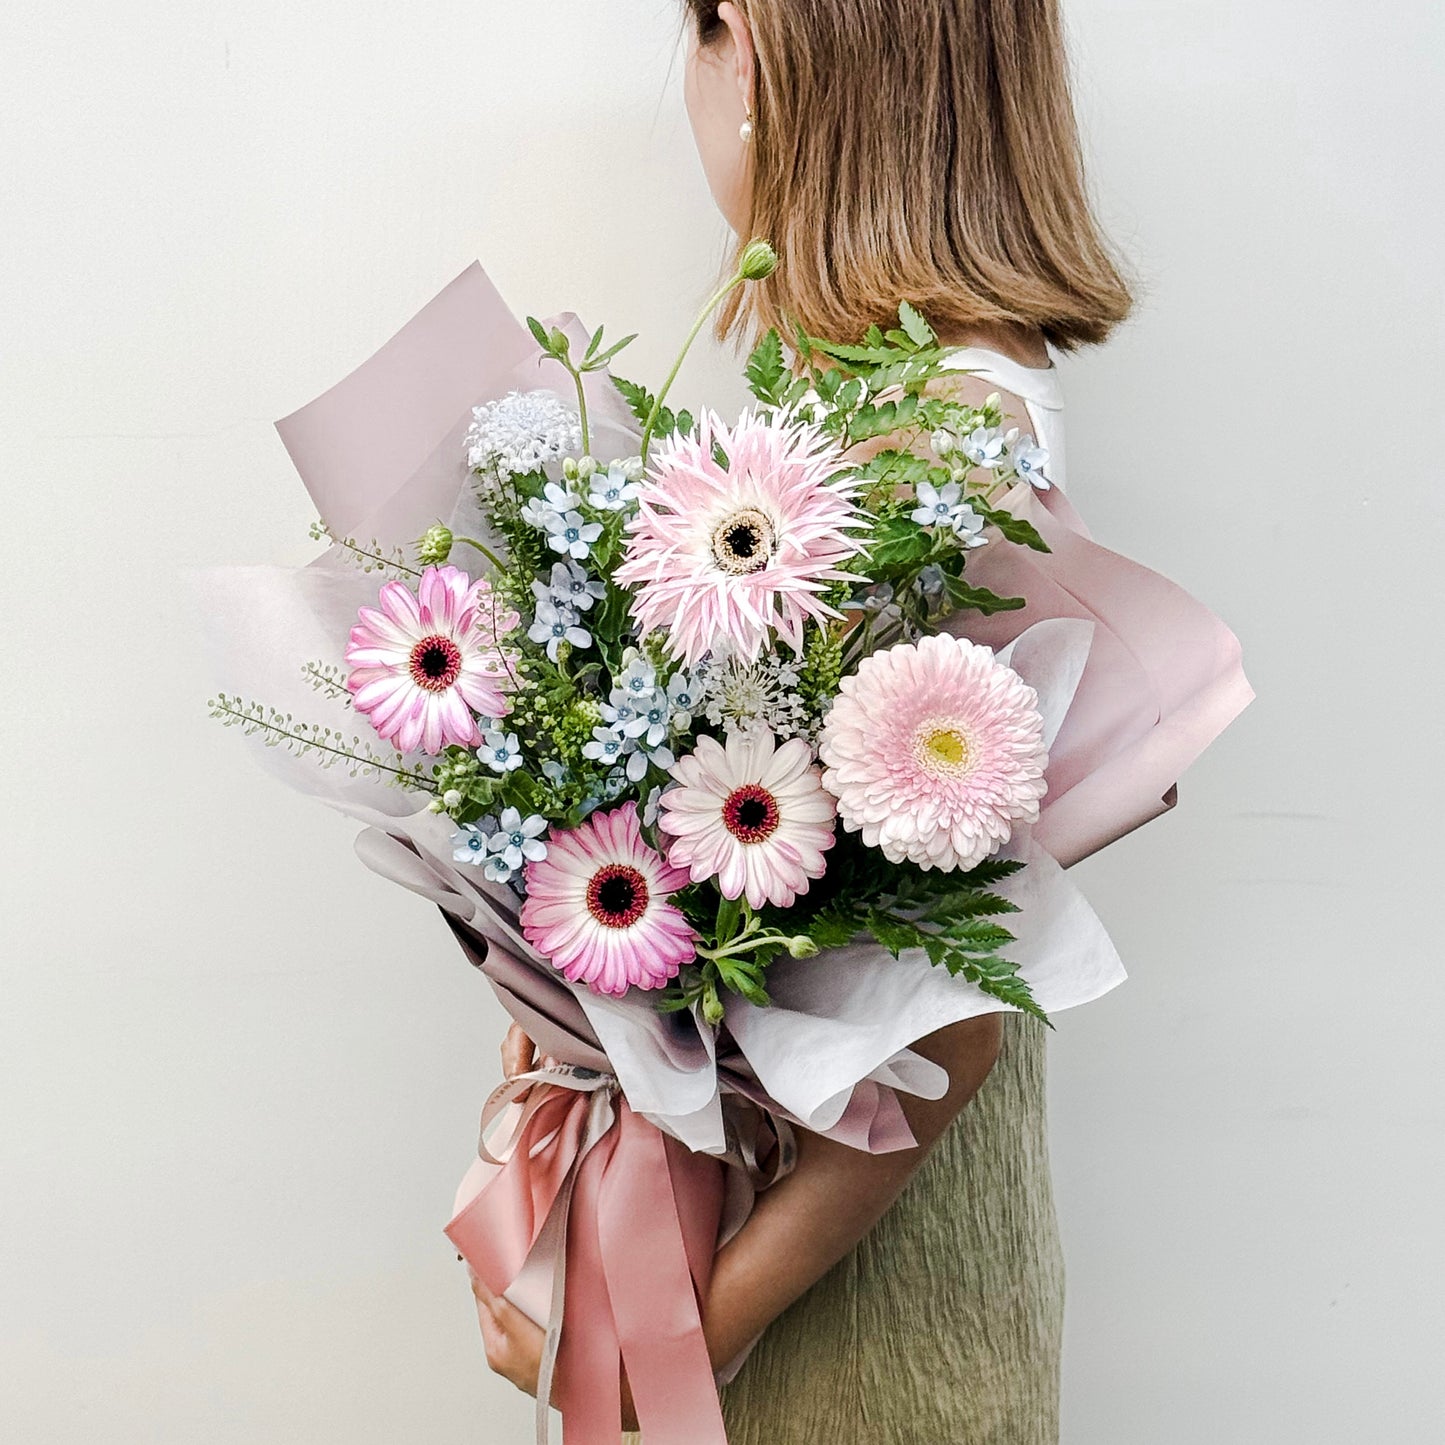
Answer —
(653, 1298)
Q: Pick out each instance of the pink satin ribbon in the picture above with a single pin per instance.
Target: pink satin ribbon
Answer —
(617, 1224)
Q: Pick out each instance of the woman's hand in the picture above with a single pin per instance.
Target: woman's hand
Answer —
(513, 1343)
(519, 1053)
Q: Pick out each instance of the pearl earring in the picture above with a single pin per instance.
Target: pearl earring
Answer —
(745, 130)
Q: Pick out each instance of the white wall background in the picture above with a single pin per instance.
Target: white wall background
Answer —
(240, 1077)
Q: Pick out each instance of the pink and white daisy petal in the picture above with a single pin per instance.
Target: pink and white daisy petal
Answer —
(421, 668)
(726, 818)
(935, 752)
(598, 907)
(740, 551)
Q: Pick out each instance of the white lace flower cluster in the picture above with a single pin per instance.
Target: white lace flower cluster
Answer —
(739, 696)
(526, 431)
(641, 716)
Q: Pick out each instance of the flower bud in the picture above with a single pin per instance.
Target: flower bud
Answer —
(435, 546)
(452, 799)
(942, 443)
(569, 468)
(992, 401)
(587, 468)
(802, 947)
(712, 1008)
(559, 342)
(758, 261)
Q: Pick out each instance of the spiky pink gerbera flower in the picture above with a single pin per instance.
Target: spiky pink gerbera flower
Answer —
(750, 814)
(597, 906)
(934, 751)
(738, 548)
(425, 662)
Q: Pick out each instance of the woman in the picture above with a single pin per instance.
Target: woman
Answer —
(919, 149)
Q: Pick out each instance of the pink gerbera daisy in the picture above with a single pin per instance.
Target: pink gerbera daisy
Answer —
(934, 751)
(750, 814)
(597, 906)
(738, 548)
(427, 661)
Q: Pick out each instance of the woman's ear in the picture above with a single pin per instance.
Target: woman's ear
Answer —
(744, 57)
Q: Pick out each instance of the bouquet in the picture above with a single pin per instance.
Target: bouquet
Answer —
(712, 738)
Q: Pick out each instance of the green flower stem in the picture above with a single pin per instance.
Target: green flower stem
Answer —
(486, 552)
(581, 407)
(714, 302)
(742, 945)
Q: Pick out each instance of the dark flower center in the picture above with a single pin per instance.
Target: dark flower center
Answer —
(436, 663)
(617, 896)
(743, 542)
(751, 814)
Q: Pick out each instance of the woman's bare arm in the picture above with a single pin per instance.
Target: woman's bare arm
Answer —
(807, 1222)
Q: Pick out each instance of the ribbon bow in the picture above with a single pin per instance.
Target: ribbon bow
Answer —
(588, 1212)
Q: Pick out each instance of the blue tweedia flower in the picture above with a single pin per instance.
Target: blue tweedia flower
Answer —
(469, 845)
(571, 535)
(654, 715)
(637, 680)
(560, 499)
(613, 490)
(570, 586)
(1029, 461)
(554, 772)
(556, 625)
(536, 513)
(621, 713)
(498, 870)
(938, 507)
(638, 761)
(607, 746)
(985, 447)
(684, 692)
(968, 527)
(501, 752)
(518, 839)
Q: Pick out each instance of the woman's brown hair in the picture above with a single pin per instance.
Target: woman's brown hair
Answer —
(923, 150)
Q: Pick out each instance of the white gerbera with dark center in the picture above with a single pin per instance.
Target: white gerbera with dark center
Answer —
(750, 814)
(741, 548)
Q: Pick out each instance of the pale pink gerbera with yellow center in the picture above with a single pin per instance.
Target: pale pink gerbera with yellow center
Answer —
(739, 549)
(750, 814)
(597, 907)
(934, 752)
(424, 663)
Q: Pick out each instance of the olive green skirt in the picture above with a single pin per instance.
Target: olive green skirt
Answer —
(943, 1326)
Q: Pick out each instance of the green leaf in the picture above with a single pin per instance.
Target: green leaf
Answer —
(639, 400)
(1013, 528)
(991, 871)
(540, 332)
(968, 903)
(980, 599)
(894, 933)
(833, 927)
(596, 363)
(920, 333)
(767, 372)
(898, 542)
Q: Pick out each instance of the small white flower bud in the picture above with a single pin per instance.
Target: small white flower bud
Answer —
(587, 468)
(452, 799)
(942, 443)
